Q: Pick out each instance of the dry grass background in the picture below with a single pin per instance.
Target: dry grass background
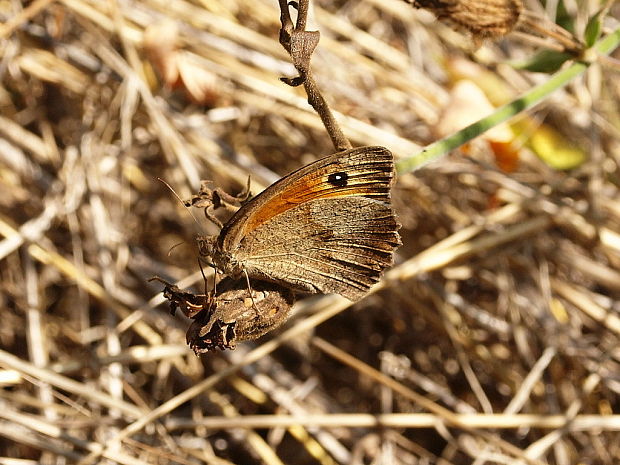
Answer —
(504, 298)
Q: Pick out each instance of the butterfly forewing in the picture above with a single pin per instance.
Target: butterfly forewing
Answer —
(364, 171)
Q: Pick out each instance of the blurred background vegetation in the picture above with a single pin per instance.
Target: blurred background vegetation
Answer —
(495, 337)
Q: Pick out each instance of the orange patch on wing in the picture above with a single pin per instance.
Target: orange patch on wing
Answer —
(305, 190)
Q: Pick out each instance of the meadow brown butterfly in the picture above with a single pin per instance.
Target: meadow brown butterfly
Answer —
(327, 227)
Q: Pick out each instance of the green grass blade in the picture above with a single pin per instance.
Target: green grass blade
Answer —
(528, 100)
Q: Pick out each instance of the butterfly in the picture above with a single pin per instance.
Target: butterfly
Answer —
(328, 227)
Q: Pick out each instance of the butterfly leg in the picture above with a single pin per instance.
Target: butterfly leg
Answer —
(190, 304)
(247, 280)
(233, 201)
(209, 295)
(211, 199)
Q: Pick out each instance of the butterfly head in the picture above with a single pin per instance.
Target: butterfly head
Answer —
(206, 246)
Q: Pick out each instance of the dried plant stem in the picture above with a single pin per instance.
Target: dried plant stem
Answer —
(587, 305)
(330, 305)
(546, 28)
(69, 269)
(402, 420)
(36, 432)
(319, 103)
(8, 360)
(523, 266)
(447, 416)
(254, 440)
(31, 10)
(300, 44)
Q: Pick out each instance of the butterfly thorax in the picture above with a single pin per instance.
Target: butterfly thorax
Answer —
(211, 250)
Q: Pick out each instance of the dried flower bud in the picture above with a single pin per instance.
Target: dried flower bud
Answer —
(233, 314)
(483, 19)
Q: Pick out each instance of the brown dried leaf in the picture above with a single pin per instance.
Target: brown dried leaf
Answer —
(159, 43)
(201, 85)
(176, 68)
(468, 104)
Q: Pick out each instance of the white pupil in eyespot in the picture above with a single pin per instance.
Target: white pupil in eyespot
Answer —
(338, 179)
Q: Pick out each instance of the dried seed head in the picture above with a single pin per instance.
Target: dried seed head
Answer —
(483, 19)
(240, 315)
(233, 314)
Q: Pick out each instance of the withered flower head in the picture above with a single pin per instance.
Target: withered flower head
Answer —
(483, 19)
(232, 314)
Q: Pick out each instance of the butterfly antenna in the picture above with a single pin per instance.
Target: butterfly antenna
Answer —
(204, 276)
(180, 200)
(175, 246)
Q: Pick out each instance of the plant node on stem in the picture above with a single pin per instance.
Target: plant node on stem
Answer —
(300, 44)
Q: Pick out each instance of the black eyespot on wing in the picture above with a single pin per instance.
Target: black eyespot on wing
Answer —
(339, 179)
